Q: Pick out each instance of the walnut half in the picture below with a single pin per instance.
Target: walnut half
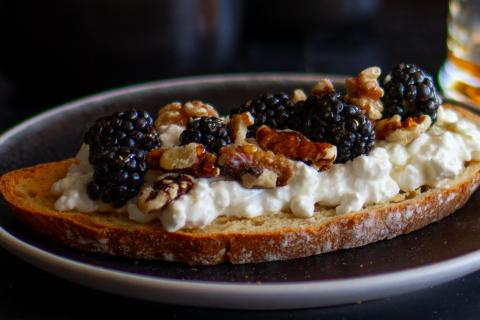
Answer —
(179, 114)
(238, 125)
(165, 189)
(395, 130)
(192, 158)
(296, 146)
(298, 95)
(365, 92)
(248, 163)
(322, 87)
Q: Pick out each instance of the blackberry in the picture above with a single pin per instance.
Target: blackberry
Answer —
(209, 131)
(330, 119)
(118, 146)
(274, 110)
(128, 128)
(410, 92)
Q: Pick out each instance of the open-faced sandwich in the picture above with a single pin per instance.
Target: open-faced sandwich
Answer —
(283, 176)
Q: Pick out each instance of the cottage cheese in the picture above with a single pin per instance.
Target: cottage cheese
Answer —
(433, 159)
(72, 190)
(170, 135)
(438, 155)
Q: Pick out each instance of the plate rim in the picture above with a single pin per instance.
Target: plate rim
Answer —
(258, 296)
(156, 84)
(263, 296)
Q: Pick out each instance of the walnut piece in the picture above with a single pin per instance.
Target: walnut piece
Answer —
(239, 124)
(192, 159)
(296, 146)
(365, 91)
(250, 160)
(179, 114)
(404, 132)
(165, 189)
(298, 95)
(266, 179)
(180, 157)
(322, 87)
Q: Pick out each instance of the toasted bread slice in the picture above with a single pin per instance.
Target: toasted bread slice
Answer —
(267, 238)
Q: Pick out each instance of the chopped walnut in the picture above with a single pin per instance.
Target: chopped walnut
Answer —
(322, 87)
(298, 95)
(296, 146)
(165, 189)
(249, 159)
(179, 114)
(365, 91)
(192, 158)
(180, 157)
(265, 179)
(153, 158)
(239, 124)
(404, 132)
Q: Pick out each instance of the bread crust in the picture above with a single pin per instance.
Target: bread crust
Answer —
(27, 191)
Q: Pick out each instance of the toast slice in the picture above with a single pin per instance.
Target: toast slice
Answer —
(266, 238)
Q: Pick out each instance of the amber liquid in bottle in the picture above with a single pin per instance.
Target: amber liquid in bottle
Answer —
(460, 75)
(471, 92)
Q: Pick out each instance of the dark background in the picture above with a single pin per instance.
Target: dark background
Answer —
(55, 51)
(52, 51)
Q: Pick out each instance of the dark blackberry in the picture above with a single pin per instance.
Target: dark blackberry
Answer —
(128, 128)
(274, 110)
(409, 92)
(118, 146)
(209, 131)
(330, 119)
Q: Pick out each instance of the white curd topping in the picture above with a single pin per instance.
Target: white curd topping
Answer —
(436, 156)
(433, 159)
(170, 135)
(72, 190)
